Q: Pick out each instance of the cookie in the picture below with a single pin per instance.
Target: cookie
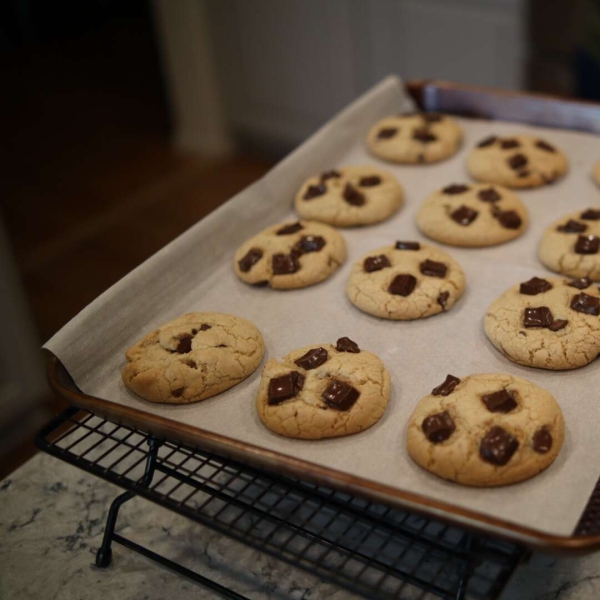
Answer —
(596, 172)
(550, 323)
(323, 391)
(415, 138)
(486, 430)
(290, 255)
(193, 358)
(571, 245)
(406, 281)
(521, 161)
(350, 196)
(472, 215)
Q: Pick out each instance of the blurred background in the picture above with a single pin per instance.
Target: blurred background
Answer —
(126, 121)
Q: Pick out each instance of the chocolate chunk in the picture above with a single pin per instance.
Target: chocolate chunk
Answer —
(422, 134)
(517, 161)
(581, 283)
(352, 196)
(572, 227)
(590, 215)
(408, 246)
(312, 359)
(438, 427)
(558, 324)
(584, 303)
(376, 263)
(535, 286)
(185, 343)
(433, 268)
(432, 117)
(538, 317)
(542, 440)
(205, 327)
(500, 402)
(523, 173)
(508, 144)
(261, 283)
(330, 175)
(464, 215)
(587, 244)
(455, 189)
(386, 133)
(489, 195)
(488, 141)
(498, 446)
(340, 395)
(446, 388)
(291, 228)
(370, 181)
(285, 387)
(545, 146)
(402, 285)
(442, 299)
(285, 264)
(509, 219)
(308, 243)
(345, 344)
(250, 259)
(314, 191)
(177, 393)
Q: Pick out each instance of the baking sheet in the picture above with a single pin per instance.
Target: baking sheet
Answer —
(194, 273)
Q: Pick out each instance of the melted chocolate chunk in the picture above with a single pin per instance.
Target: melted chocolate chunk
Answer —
(285, 264)
(489, 195)
(291, 228)
(509, 144)
(407, 246)
(386, 133)
(442, 299)
(545, 146)
(438, 427)
(464, 215)
(314, 191)
(432, 117)
(204, 327)
(250, 259)
(376, 263)
(500, 402)
(538, 317)
(284, 387)
(535, 286)
(517, 161)
(509, 219)
(488, 141)
(330, 175)
(581, 283)
(422, 134)
(572, 227)
(584, 303)
(590, 215)
(446, 388)
(178, 392)
(340, 395)
(498, 446)
(369, 181)
(185, 343)
(312, 359)
(402, 285)
(558, 324)
(308, 243)
(352, 196)
(587, 244)
(345, 344)
(542, 440)
(433, 268)
(455, 188)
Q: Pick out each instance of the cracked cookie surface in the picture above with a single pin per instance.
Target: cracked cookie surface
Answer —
(322, 391)
(520, 161)
(472, 215)
(415, 138)
(405, 281)
(193, 357)
(349, 196)
(571, 245)
(554, 323)
(290, 255)
(490, 429)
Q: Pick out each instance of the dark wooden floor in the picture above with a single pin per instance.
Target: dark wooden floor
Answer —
(93, 187)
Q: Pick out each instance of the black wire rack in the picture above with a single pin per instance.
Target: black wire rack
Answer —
(369, 548)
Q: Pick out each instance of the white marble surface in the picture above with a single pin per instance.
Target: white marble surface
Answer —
(52, 518)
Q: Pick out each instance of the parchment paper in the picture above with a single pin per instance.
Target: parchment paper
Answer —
(194, 273)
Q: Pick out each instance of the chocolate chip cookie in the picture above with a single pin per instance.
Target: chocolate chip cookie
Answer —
(405, 281)
(323, 391)
(548, 323)
(193, 358)
(415, 138)
(571, 245)
(486, 430)
(349, 196)
(290, 255)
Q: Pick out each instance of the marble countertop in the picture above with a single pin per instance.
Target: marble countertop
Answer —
(52, 518)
